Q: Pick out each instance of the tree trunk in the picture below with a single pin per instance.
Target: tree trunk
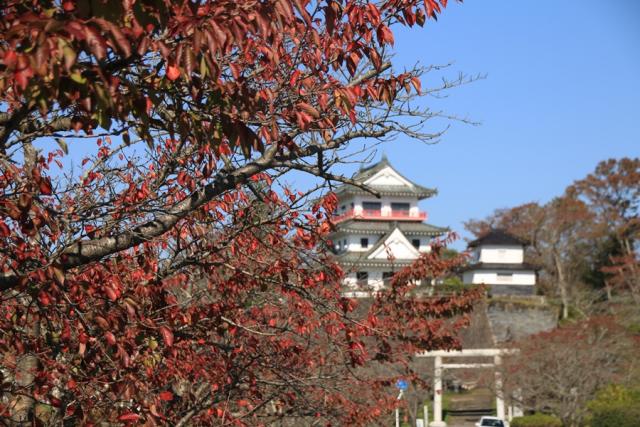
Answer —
(562, 286)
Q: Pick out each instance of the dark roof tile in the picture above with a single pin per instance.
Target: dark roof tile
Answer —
(409, 228)
(500, 266)
(497, 237)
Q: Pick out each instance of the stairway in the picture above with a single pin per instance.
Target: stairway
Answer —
(466, 409)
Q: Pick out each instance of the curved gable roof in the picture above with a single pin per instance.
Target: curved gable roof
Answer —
(497, 237)
(368, 172)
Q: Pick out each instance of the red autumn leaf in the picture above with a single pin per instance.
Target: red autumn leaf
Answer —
(45, 186)
(415, 81)
(166, 395)
(385, 36)
(110, 338)
(44, 298)
(111, 293)
(167, 336)
(4, 229)
(96, 42)
(173, 72)
(129, 416)
(10, 59)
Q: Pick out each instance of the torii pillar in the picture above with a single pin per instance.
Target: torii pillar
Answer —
(497, 361)
(437, 394)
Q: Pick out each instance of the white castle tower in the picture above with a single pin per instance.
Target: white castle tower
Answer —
(371, 230)
(497, 260)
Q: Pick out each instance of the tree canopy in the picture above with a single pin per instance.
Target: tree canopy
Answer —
(153, 270)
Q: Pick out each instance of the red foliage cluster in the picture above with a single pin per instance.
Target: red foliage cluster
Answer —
(561, 370)
(170, 281)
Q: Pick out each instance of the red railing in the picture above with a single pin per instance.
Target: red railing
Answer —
(379, 215)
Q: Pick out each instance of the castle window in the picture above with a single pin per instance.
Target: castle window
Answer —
(400, 207)
(364, 242)
(371, 206)
(416, 243)
(362, 277)
(386, 276)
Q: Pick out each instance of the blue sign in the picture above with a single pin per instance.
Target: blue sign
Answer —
(402, 384)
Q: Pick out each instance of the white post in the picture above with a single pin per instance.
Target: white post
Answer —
(497, 360)
(437, 394)
(425, 409)
(398, 411)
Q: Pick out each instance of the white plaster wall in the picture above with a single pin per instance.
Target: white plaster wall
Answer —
(414, 210)
(354, 244)
(424, 243)
(374, 283)
(501, 254)
(387, 176)
(491, 277)
(399, 247)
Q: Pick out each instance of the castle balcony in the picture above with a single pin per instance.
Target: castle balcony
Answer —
(398, 215)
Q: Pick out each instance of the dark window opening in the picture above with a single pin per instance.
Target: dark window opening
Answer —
(416, 243)
(371, 206)
(386, 277)
(364, 242)
(362, 277)
(400, 207)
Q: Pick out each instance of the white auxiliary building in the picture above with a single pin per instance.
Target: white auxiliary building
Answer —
(377, 236)
(497, 260)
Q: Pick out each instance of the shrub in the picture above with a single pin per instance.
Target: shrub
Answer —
(615, 406)
(536, 420)
(617, 415)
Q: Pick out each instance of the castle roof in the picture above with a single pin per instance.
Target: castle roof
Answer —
(408, 228)
(497, 237)
(408, 188)
(523, 266)
(375, 256)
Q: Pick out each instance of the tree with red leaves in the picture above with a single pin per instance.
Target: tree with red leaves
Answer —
(169, 278)
(613, 193)
(560, 371)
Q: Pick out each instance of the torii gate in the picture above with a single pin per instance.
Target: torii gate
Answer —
(496, 353)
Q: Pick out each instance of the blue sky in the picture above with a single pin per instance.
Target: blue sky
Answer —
(562, 93)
